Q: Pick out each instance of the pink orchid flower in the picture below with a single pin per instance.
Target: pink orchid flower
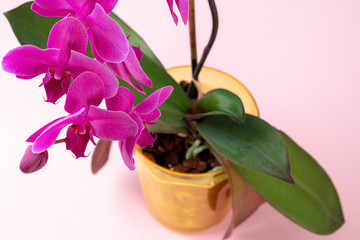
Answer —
(145, 112)
(107, 39)
(86, 120)
(131, 67)
(28, 61)
(63, 60)
(183, 6)
(66, 35)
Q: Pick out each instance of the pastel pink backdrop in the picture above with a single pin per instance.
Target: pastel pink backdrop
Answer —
(300, 59)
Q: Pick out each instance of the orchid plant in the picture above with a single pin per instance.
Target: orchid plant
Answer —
(141, 99)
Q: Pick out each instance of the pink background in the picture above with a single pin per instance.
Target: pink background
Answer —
(300, 59)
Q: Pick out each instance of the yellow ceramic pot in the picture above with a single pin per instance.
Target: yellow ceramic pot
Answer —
(190, 202)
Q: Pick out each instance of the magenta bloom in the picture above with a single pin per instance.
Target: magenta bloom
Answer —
(183, 6)
(86, 120)
(131, 67)
(107, 39)
(32, 162)
(145, 112)
(28, 61)
(63, 60)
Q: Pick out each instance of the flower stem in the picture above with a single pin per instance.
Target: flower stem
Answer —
(59, 141)
(192, 32)
(192, 90)
(208, 47)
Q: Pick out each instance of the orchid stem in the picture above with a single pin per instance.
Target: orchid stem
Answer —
(207, 49)
(59, 141)
(192, 90)
(192, 31)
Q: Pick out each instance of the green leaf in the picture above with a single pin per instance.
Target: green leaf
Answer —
(31, 28)
(253, 144)
(219, 102)
(245, 200)
(312, 202)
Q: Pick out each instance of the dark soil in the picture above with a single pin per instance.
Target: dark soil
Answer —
(169, 152)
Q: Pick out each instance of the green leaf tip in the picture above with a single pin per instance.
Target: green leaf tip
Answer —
(312, 202)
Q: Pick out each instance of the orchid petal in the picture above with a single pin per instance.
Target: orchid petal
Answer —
(87, 89)
(76, 143)
(134, 68)
(71, 139)
(183, 6)
(25, 77)
(65, 83)
(81, 127)
(106, 36)
(54, 90)
(120, 71)
(79, 63)
(171, 7)
(126, 149)
(91, 136)
(108, 5)
(111, 125)
(51, 12)
(29, 61)
(53, 4)
(79, 149)
(148, 118)
(32, 162)
(47, 138)
(89, 5)
(36, 134)
(68, 34)
(154, 100)
(59, 71)
(82, 8)
(138, 52)
(146, 139)
(47, 78)
(122, 101)
(127, 146)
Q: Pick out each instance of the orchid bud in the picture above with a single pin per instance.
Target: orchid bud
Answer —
(32, 162)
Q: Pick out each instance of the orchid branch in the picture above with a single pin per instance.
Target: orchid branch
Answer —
(192, 32)
(191, 91)
(207, 49)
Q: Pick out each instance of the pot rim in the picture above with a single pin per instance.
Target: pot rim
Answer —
(257, 113)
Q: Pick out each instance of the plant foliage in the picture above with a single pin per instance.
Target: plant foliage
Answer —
(249, 148)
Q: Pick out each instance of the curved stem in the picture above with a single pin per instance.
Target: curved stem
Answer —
(192, 32)
(208, 47)
(191, 93)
